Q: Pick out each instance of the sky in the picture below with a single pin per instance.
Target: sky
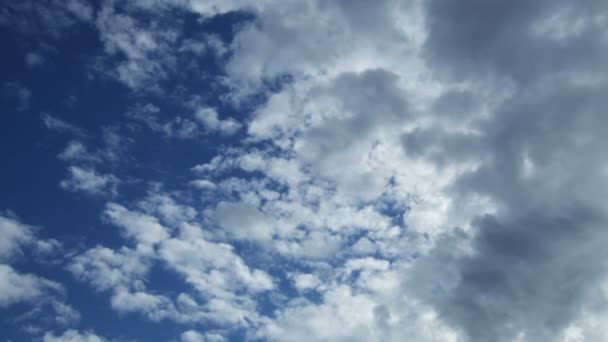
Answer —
(284, 170)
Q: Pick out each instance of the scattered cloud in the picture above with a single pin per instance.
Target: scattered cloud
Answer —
(59, 125)
(89, 181)
(42, 296)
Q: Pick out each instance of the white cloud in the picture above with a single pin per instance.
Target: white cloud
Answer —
(44, 298)
(304, 282)
(61, 126)
(80, 9)
(243, 221)
(76, 150)
(210, 120)
(219, 275)
(28, 288)
(106, 269)
(16, 287)
(334, 159)
(193, 336)
(345, 315)
(203, 184)
(216, 271)
(89, 181)
(143, 51)
(143, 229)
(73, 336)
(153, 306)
(164, 206)
(14, 236)
(177, 127)
(112, 151)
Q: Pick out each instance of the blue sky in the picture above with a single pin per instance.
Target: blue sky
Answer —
(201, 170)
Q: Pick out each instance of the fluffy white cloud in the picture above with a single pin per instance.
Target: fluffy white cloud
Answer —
(106, 269)
(16, 287)
(73, 336)
(144, 229)
(214, 271)
(221, 277)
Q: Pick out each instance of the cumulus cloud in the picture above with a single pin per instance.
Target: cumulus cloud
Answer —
(16, 287)
(223, 281)
(484, 130)
(15, 236)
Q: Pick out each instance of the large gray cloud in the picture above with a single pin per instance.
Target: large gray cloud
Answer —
(536, 263)
(527, 278)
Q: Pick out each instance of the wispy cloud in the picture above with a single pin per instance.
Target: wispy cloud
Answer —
(61, 126)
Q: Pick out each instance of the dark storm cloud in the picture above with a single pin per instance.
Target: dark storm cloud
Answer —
(538, 261)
